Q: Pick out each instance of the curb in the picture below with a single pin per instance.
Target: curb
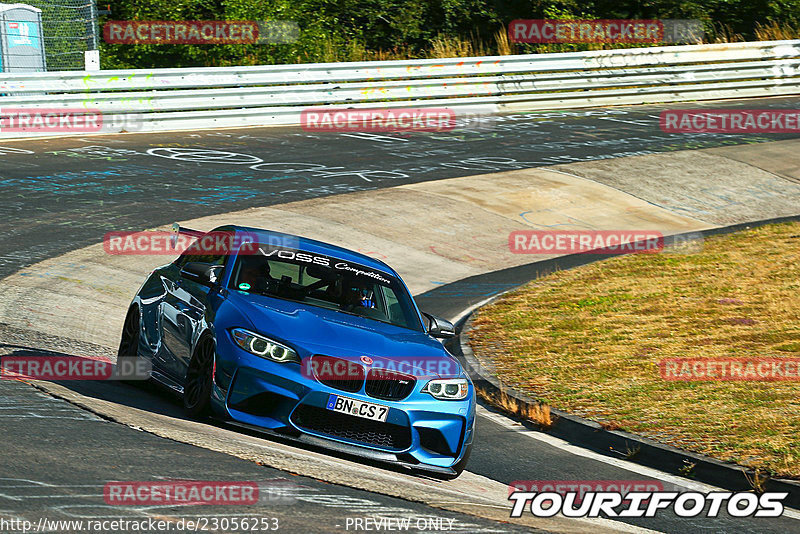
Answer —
(616, 443)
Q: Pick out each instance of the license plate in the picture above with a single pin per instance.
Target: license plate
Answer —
(367, 410)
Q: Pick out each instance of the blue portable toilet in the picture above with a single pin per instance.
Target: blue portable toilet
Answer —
(21, 42)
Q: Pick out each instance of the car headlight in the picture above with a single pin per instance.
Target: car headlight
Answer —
(264, 347)
(447, 389)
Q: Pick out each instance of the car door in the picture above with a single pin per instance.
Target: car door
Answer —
(182, 311)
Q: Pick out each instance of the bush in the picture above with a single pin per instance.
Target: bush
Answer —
(342, 30)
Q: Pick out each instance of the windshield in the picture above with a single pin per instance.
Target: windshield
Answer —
(325, 282)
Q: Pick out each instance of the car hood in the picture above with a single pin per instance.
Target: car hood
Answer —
(314, 330)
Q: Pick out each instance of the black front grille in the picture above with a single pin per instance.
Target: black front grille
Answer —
(350, 427)
(338, 373)
(389, 385)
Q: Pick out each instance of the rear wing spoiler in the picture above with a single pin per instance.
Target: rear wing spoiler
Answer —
(226, 242)
(177, 230)
(229, 241)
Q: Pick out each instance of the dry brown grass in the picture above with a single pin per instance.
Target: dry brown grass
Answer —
(538, 413)
(445, 47)
(504, 46)
(757, 481)
(589, 340)
(723, 33)
(776, 32)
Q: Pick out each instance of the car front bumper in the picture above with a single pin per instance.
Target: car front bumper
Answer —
(420, 432)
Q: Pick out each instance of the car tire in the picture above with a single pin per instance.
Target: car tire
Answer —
(129, 342)
(198, 384)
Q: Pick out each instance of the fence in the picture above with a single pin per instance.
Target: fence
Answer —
(70, 29)
(199, 98)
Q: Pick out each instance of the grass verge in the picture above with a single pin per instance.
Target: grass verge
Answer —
(589, 341)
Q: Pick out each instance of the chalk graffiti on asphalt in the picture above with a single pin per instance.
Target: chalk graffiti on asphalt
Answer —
(202, 155)
(5, 150)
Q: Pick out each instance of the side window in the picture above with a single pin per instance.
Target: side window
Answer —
(393, 306)
(213, 259)
(279, 269)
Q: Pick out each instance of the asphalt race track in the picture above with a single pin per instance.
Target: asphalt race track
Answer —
(47, 473)
(62, 194)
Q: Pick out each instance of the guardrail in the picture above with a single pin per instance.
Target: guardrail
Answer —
(194, 98)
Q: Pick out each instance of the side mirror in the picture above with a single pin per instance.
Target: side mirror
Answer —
(439, 327)
(202, 273)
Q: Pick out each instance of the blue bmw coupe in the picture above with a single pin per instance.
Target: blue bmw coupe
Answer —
(317, 343)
